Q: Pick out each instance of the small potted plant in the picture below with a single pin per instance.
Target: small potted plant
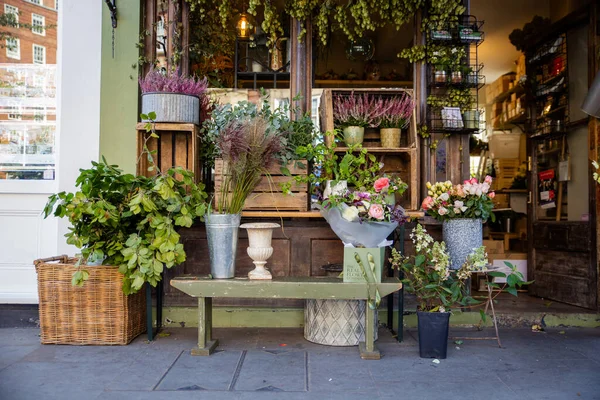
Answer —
(438, 288)
(355, 112)
(396, 116)
(172, 97)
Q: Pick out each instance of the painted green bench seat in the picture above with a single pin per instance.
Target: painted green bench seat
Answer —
(205, 289)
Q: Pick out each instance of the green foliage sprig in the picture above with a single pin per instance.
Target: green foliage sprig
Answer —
(130, 221)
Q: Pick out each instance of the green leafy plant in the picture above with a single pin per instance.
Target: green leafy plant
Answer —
(130, 221)
(438, 288)
(355, 165)
(427, 274)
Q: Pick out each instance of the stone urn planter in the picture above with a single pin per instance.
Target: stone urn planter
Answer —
(172, 107)
(260, 235)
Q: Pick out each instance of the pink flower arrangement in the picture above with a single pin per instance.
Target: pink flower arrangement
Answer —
(471, 199)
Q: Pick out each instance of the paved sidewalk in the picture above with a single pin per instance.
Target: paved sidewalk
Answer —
(266, 364)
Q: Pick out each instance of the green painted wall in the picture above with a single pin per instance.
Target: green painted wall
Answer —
(119, 91)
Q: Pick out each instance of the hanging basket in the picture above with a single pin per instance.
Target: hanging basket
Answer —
(97, 313)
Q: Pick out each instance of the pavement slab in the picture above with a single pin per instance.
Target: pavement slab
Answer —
(278, 364)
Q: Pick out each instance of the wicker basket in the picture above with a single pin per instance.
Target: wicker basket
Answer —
(98, 313)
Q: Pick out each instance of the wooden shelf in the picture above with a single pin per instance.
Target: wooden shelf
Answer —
(511, 191)
(306, 214)
(372, 84)
(386, 150)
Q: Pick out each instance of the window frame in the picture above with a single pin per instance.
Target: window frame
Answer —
(33, 46)
(34, 28)
(12, 54)
(7, 10)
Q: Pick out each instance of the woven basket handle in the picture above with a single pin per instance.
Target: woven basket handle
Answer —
(64, 258)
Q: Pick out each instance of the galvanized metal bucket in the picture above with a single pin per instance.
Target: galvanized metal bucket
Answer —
(462, 236)
(172, 107)
(222, 235)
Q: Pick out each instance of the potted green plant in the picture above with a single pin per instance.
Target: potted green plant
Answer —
(125, 227)
(353, 113)
(173, 97)
(438, 288)
(396, 116)
(130, 221)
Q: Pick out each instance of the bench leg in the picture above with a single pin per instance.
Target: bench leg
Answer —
(367, 349)
(206, 346)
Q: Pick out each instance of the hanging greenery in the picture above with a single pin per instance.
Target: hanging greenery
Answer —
(353, 17)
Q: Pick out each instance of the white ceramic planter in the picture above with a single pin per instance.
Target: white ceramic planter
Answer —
(259, 250)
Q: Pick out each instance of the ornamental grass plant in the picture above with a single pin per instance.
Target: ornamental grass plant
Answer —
(248, 148)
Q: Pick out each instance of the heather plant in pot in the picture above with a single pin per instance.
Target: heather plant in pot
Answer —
(247, 149)
(394, 118)
(353, 113)
(173, 97)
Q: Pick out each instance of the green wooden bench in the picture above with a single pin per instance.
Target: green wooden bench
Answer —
(205, 289)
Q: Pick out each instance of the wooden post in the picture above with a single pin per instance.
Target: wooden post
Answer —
(178, 35)
(149, 19)
(420, 93)
(301, 66)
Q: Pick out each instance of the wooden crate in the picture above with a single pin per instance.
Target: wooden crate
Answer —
(402, 161)
(176, 146)
(267, 196)
(326, 113)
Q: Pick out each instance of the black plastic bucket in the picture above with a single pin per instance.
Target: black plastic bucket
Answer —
(433, 334)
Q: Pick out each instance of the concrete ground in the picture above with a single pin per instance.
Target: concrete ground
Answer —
(278, 364)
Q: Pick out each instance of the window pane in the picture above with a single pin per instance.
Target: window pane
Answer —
(38, 22)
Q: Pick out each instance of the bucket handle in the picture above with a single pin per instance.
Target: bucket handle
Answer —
(63, 259)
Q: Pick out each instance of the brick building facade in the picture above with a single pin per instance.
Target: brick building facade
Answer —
(31, 42)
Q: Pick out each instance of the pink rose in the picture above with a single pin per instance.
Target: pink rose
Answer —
(381, 183)
(491, 195)
(442, 211)
(376, 211)
(427, 203)
(474, 181)
(488, 179)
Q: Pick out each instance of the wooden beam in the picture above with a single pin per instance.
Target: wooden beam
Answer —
(301, 66)
(149, 28)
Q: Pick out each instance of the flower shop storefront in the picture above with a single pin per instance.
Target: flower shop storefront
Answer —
(284, 174)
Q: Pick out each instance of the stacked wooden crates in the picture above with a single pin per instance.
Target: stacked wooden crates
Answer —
(401, 161)
(268, 195)
(506, 171)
